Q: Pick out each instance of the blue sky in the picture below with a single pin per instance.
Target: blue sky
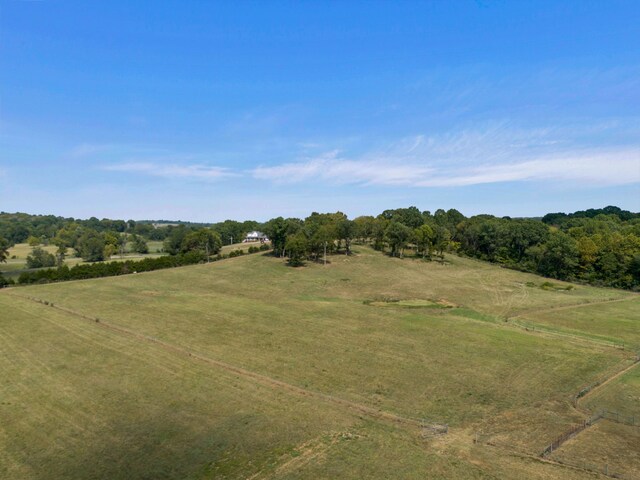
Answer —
(206, 111)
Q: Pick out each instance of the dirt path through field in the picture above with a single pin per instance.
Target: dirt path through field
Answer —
(577, 305)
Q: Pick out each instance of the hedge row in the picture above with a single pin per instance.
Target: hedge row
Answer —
(112, 269)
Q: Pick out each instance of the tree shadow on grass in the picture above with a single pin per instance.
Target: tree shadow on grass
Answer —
(155, 449)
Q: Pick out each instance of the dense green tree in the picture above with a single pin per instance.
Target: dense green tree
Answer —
(109, 250)
(409, 217)
(296, 247)
(4, 249)
(204, 240)
(397, 235)
(364, 227)
(33, 241)
(39, 258)
(231, 231)
(424, 237)
(61, 253)
(90, 246)
(441, 239)
(559, 257)
(278, 229)
(173, 242)
(321, 238)
(139, 244)
(378, 234)
(345, 230)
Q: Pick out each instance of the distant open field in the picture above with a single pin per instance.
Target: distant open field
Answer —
(15, 266)
(247, 368)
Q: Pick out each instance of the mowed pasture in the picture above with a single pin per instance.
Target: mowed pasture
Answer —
(304, 356)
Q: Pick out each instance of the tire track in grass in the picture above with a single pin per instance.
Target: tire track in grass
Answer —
(264, 380)
(575, 305)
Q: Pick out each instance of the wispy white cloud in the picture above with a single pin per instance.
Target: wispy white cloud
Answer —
(589, 168)
(195, 171)
(331, 167)
(493, 155)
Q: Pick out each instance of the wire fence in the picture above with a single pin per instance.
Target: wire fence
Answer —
(596, 384)
(572, 432)
(631, 420)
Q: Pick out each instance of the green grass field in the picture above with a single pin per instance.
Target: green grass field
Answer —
(289, 368)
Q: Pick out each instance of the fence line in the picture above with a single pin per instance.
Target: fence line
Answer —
(572, 432)
(602, 380)
(630, 420)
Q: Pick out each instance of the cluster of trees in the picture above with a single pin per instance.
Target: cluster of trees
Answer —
(598, 246)
(96, 240)
(183, 240)
(601, 246)
(21, 227)
(393, 231)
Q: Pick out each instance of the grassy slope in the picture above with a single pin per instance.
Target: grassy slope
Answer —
(311, 328)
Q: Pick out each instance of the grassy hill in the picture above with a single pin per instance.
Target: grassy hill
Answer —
(247, 368)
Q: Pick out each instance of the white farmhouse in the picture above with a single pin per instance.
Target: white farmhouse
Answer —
(256, 236)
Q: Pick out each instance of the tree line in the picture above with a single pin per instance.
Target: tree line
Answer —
(598, 246)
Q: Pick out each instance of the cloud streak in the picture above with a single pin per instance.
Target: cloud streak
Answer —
(470, 158)
(195, 171)
(592, 169)
(331, 168)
